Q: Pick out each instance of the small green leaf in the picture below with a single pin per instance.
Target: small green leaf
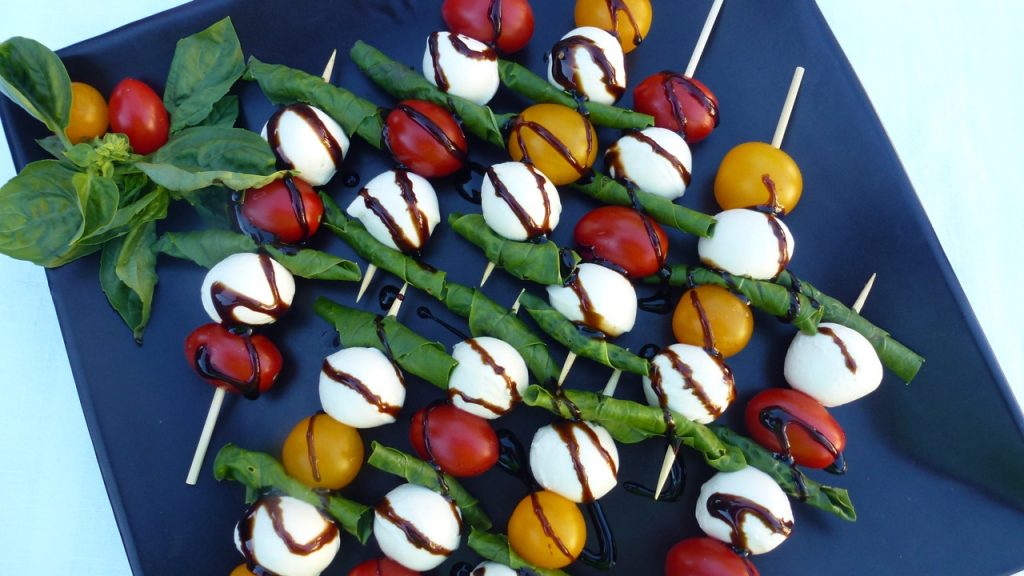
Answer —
(128, 276)
(316, 265)
(204, 68)
(33, 77)
(224, 113)
(39, 213)
(180, 180)
(97, 201)
(206, 247)
(217, 148)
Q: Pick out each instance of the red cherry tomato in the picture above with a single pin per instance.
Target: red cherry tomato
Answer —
(678, 103)
(287, 209)
(810, 429)
(244, 364)
(425, 138)
(706, 557)
(462, 444)
(381, 567)
(138, 112)
(473, 18)
(624, 237)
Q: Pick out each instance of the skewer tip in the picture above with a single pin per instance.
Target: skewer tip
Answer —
(487, 273)
(371, 270)
(399, 298)
(863, 297)
(329, 69)
(569, 361)
(515, 305)
(666, 468)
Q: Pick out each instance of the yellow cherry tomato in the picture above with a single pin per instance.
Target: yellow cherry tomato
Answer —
(726, 317)
(335, 448)
(527, 536)
(751, 171)
(558, 140)
(241, 570)
(89, 118)
(628, 20)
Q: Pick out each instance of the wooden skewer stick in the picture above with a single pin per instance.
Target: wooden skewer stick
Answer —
(702, 40)
(859, 303)
(329, 69)
(487, 273)
(666, 467)
(613, 383)
(569, 361)
(787, 108)
(516, 304)
(367, 278)
(399, 298)
(204, 437)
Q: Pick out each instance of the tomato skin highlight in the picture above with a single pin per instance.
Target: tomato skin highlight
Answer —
(138, 112)
(472, 18)
(272, 209)
(416, 148)
(383, 566)
(651, 97)
(805, 449)
(89, 114)
(706, 557)
(228, 355)
(619, 235)
(461, 444)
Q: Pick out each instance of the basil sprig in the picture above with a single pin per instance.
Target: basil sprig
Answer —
(604, 188)
(261, 473)
(538, 262)
(33, 77)
(495, 547)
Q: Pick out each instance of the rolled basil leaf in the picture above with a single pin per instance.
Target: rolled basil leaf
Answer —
(764, 295)
(520, 79)
(34, 77)
(206, 247)
(827, 498)
(204, 67)
(530, 261)
(284, 85)
(607, 190)
(405, 83)
(316, 265)
(631, 422)
(554, 324)
(422, 473)
(414, 353)
(260, 473)
(496, 548)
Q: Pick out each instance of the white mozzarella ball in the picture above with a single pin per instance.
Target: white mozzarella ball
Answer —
(361, 387)
(589, 62)
(461, 66)
(248, 289)
(399, 209)
(430, 514)
(656, 160)
(258, 538)
(490, 378)
(306, 139)
(691, 382)
(559, 450)
(493, 569)
(748, 243)
(835, 366)
(752, 501)
(611, 297)
(519, 202)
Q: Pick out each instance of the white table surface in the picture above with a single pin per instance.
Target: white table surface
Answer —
(944, 76)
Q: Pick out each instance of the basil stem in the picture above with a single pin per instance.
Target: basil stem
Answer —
(404, 83)
(766, 296)
(538, 262)
(827, 498)
(607, 190)
(414, 353)
(631, 422)
(496, 548)
(903, 361)
(419, 472)
(520, 79)
(554, 324)
(261, 473)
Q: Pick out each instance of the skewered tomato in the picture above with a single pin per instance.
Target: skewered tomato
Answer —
(462, 444)
(628, 20)
(714, 318)
(678, 103)
(288, 209)
(138, 112)
(381, 567)
(755, 174)
(706, 557)
(323, 453)
(241, 570)
(511, 21)
(624, 237)
(547, 530)
(780, 415)
(246, 364)
(558, 140)
(425, 138)
(89, 118)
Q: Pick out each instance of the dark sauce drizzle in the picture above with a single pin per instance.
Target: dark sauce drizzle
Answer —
(851, 364)
(425, 313)
(311, 445)
(404, 243)
(307, 114)
(533, 229)
(673, 80)
(463, 181)
(225, 299)
(494, 17)
(261, 236)
(566, 71)
(731, 509)
(412, 533)
(566, 431)
(387, 296)
(433, 44)
(616, 6)
(510, 385)
(777, 420)
(249, 388)
(614, 159)
(432, 129)
(360, 388)
(518, 125)
(272, 504)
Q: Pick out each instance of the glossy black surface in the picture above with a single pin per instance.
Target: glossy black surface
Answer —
(936, 468)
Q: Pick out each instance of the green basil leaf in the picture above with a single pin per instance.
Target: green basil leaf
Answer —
(98, 198)
(33, 77)
(217, 149)
(39, 213)
(531, 261)
(260, 473)
(149, 208)
(316, 265)
(180, 180)
(54, 145)
(284, 85)
(607, 190)
(128, 276)
(204, 68)
(497, 549)
(224, 113)
(204, 247)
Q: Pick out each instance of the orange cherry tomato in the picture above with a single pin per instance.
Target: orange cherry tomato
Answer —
(727, 320)
(89, 118)
(756, 174)
(558, 140)
(335, 449)
(627, 20)
(241, 570)
(528, 538)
